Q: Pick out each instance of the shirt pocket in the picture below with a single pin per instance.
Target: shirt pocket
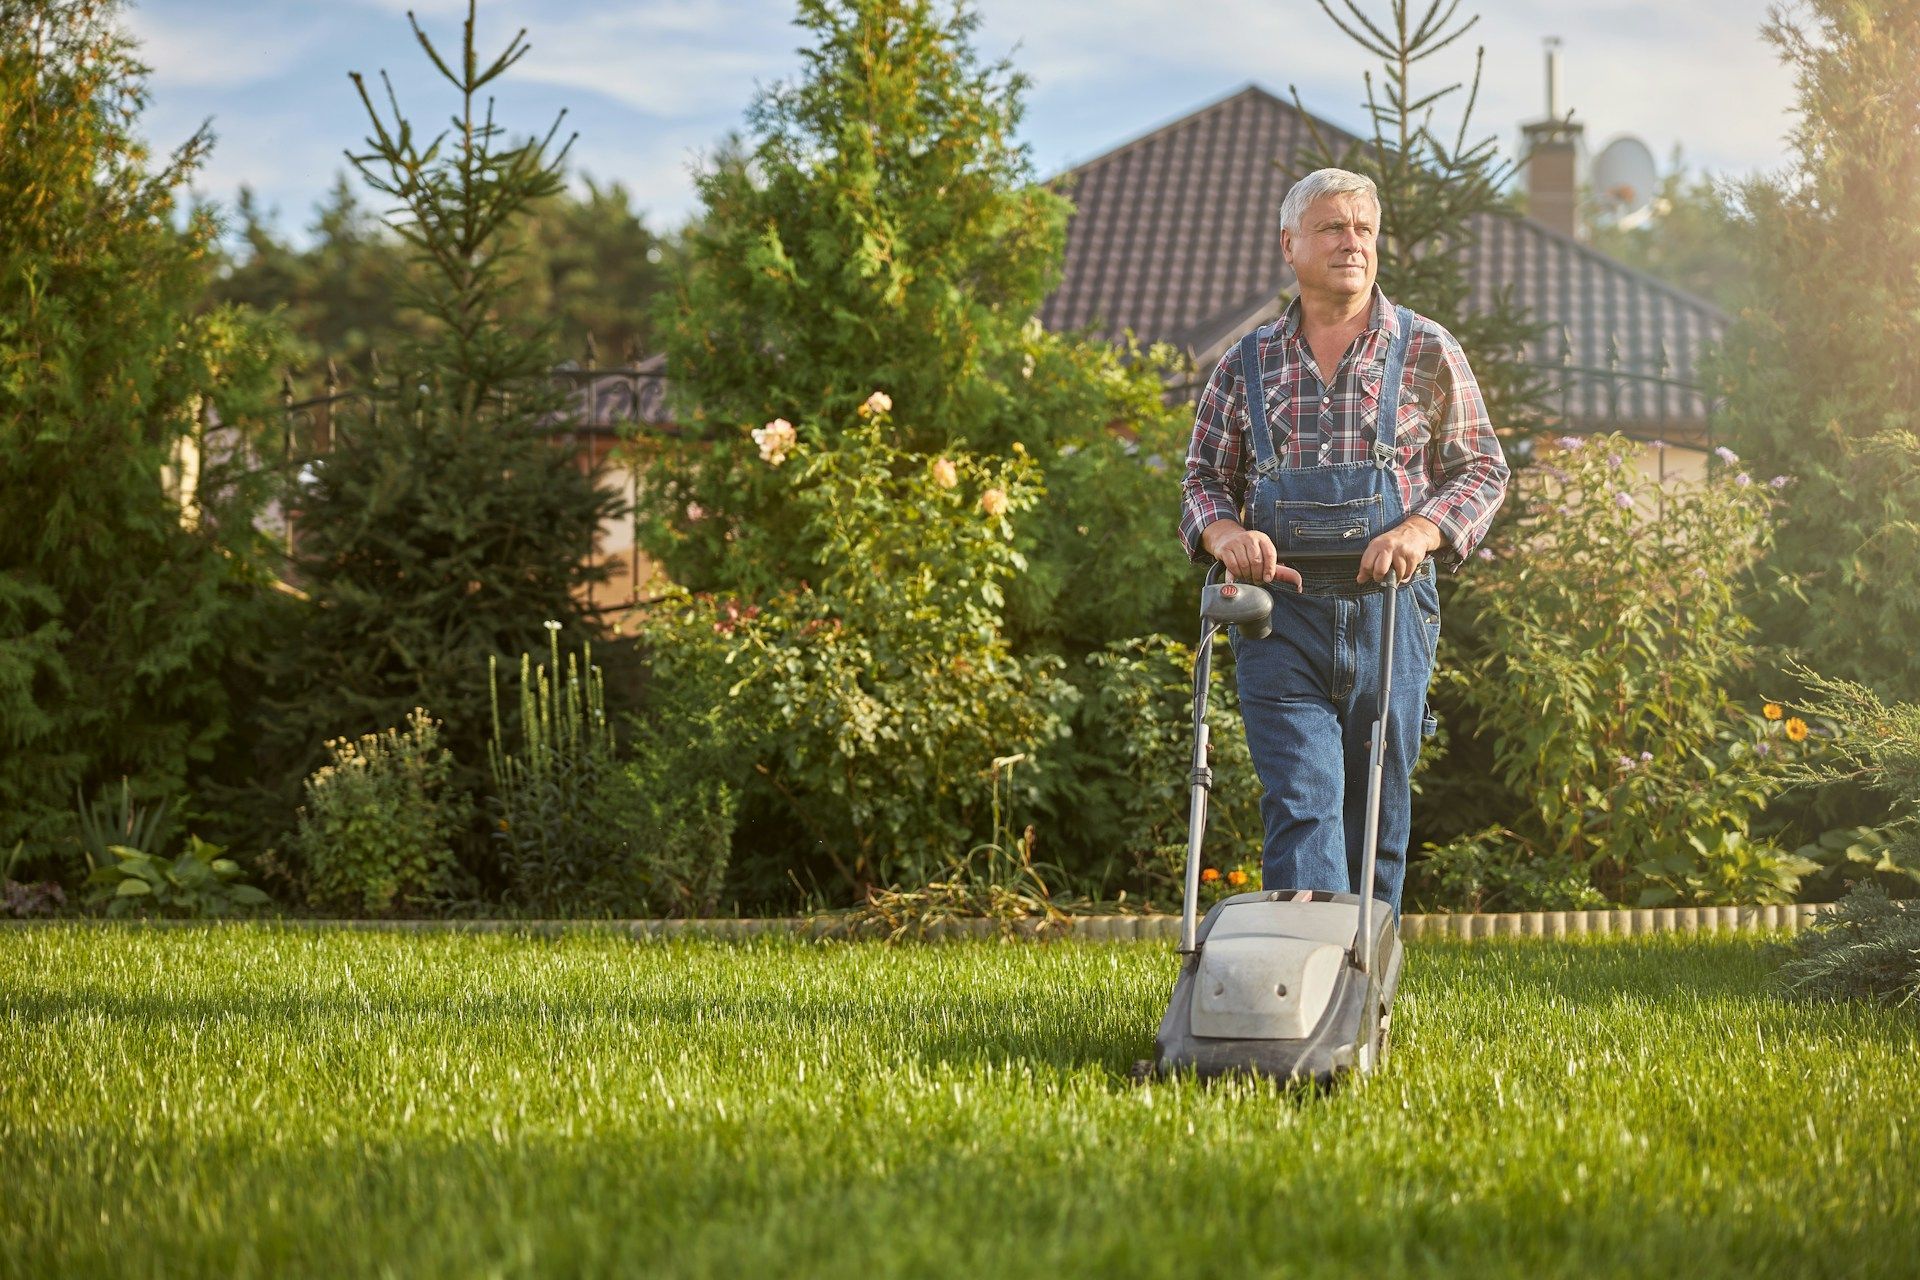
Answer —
(1414, 423)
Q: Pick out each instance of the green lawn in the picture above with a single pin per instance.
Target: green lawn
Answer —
(256, 1101)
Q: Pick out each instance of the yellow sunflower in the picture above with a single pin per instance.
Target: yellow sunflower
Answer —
(1796, 729)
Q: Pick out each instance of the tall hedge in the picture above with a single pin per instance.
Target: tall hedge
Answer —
(129, 566)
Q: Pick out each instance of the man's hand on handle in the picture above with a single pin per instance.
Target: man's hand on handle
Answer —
(1400, 549)
(1247, 554)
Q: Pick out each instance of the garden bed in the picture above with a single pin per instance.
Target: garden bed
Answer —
(245, 1101)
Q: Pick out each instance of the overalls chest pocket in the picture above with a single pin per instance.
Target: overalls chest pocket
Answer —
(1342, 524)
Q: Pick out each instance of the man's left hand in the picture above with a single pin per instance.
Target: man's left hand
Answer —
(1400, 549)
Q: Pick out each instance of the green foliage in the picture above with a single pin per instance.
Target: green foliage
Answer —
(1868, 947)
(1117, 793)
(1695, 237)
(882, 228)
(1874, 744)
(998, 882)
(873, 700)
(1105, 519)
(588, 263)
(1495, 869)
(443, 520)
(108, 821)
(377, 829)
(1606, 635)
(1818, 371)
(129, 565)
(198, 884)
(1433, 188)
(578, 828)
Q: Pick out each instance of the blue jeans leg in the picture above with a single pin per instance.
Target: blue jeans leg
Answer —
(1307, 694)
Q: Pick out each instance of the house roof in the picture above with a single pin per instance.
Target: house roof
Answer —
(1174, 237)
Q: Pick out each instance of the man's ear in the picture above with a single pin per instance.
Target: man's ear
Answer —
(1286, 246)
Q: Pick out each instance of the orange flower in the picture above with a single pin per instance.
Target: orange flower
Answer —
(1236, 878)
(1772, 711)
(1796, 729)
(1209, 875)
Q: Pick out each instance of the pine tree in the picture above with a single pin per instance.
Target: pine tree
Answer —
(1821, 372)
(444, 527)
(128, 563)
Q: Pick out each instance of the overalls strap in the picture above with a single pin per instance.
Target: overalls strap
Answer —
(1388, 419)
(1253, 387)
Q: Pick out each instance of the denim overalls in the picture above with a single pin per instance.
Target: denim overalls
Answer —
(1307, 690)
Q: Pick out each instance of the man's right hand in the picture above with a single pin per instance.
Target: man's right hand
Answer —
(1246, 553)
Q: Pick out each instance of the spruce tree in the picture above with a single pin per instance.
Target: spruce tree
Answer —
(129, 567)
(1821, 369)
(445, 526)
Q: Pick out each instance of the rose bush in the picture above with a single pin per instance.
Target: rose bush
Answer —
(867, 702)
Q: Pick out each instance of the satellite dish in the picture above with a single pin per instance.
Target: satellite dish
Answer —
(1624, 181)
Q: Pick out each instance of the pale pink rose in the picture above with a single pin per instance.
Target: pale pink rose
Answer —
(994, 502)
(945, 474)
(775, 440)
(696, 512)
(878, 402)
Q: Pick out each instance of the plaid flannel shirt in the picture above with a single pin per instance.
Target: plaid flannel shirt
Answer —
(1451, 471)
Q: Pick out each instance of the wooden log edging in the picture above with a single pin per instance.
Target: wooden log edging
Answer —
(1629, 922)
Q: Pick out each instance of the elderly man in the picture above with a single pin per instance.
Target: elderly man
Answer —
(1367, 432)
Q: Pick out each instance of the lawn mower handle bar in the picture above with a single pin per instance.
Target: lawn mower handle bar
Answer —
(1200, 776)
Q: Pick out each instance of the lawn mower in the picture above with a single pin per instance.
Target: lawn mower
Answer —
(1294, 985)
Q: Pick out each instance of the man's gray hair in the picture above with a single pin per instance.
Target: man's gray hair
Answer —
(1324, 182)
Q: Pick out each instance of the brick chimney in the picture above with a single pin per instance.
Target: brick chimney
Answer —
(1553, 148)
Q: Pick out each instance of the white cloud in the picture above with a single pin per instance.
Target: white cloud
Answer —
(227, 51)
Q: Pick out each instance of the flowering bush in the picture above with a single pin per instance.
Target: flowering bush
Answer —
(380, 817)
(1606, 632)
(872, 699)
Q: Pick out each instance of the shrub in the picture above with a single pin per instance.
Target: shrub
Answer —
(1874, 744)
(131, 568)
(199, 884)
(1605, 636)
(1496, 870)
(1868, 947)
(872, 703)
(998, 881)
(579, 828)
(1118, 791)
(377, 828)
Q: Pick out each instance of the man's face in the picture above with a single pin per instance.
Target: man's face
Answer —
(1333, 254)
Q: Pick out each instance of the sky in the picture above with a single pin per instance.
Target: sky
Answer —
(652, 86)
